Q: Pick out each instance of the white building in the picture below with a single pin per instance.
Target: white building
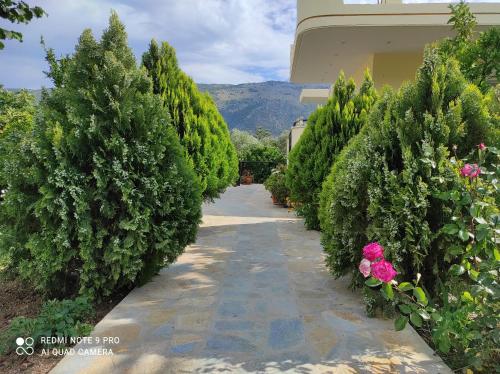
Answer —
(387, 38)
(296, 131)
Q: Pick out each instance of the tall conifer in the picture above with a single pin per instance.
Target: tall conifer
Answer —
(115, 198)
(201, 128)
(328, 130)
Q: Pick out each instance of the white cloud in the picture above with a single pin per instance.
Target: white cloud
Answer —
(213, 73)
(217, 41)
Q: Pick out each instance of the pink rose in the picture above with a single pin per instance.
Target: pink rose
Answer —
(475, 171)
(465, 171)
(365, 267)
(372, 251)
(481, 146)
(471, 171)
(383, 270)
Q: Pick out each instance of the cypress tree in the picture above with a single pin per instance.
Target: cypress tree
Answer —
(201, 128)
(328, 130)
(382, 186)
(115, 199)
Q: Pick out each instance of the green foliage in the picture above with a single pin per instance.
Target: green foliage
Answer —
(243, 140)
(329, 130)
(478, 55)
(109, 198)
(16, 120)
(17, 12)
(275, 184)
(281, 142)
(62, 319)
(265, 137)
(463, 315)
(262, 143)
(264, 153)
(200, 126)
(262, 134)
(260, 160)
(381, 186)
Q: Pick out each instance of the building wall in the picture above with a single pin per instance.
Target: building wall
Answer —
(293, 138)
(395, 68)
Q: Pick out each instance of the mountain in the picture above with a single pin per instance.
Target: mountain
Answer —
(273, 105)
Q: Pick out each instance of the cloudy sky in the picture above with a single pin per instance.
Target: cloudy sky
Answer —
(217, 41)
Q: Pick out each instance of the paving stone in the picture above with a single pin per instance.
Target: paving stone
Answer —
(158, 317)
(164, 331)
(193, 321)
(231, 309)
(183, 348)
(233, 325)
(252, 295)
(286, 333)
(229, 343)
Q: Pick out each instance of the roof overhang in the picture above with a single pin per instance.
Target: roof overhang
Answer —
(314, 95)
(332, 36)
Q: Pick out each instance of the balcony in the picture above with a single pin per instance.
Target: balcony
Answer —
(388, 38)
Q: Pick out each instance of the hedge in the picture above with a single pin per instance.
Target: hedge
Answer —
(328, 130)
(110, 198)
(203, 132)
(381, 187)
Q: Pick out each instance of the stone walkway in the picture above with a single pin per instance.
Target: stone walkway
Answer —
(252, 295)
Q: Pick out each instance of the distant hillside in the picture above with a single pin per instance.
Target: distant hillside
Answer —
(272, 105)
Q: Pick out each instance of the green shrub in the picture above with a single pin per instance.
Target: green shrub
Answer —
(62, 319)
(328, 131)
(478, 54)
(380, 187)
(275, 184)
(110, 198)
(462, 319)
(201, 128)
(260, 160)
(242, 140)
(16, 120)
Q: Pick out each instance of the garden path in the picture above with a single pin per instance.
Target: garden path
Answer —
(251, 295)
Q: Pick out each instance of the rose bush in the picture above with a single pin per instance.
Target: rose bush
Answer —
(462, 317)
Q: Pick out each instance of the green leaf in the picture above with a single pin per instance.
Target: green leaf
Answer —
(466, 199)
(373, 282)
(423, 313)
(483, 231)
(443, 196)
(474, 210)
(405, 286)
(496, 253)
(387, 291)
(473, 274)
(463, 234)
(405, 309)
(450, 229)
(455, 250)
(400, 323)
(436, 316)
(467, 297)
(480, 220)
(420, 296)
(456, 269)
(444, 344)
(416, 319)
